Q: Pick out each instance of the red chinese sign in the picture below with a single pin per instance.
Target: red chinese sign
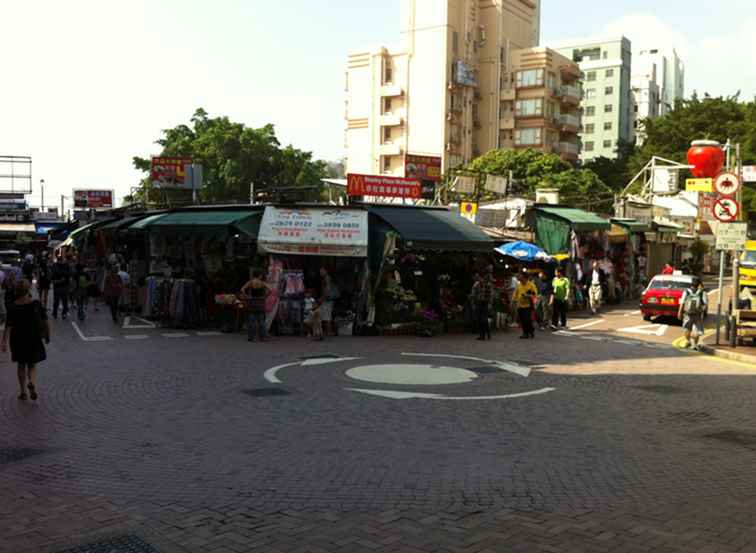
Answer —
(93, 199)
(167, 172)
(383, 186)
(422, 167)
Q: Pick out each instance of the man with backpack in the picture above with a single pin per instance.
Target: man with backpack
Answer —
(693, 309)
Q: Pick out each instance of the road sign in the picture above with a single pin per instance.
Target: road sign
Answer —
(732, 236)
(726, 210)
(727, 184)
(468, 210)
(699, 185)
(749, 173)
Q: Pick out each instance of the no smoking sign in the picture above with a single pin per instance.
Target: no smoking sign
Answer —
(726, 210)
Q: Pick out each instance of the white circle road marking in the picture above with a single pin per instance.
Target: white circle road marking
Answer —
(411, 374)
(393, 394)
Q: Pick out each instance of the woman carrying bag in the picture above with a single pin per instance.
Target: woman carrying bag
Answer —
(27, 326)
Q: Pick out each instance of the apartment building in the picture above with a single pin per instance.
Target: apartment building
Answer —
(540, 103)
(607, 105)
(646, 95)
(441, 92)
(670, 74)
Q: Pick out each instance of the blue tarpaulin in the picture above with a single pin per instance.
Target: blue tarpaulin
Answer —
(524, 251)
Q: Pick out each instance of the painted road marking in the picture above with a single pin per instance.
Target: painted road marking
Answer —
(325, 360)
(395, 394)
(632, 313)
(90, 338)
(145, 323)
(136, 337)
(405, 374)
(270, 374)
(509, 367)
(175, 335)
(647, 330)
(209, 333)
(586, 325)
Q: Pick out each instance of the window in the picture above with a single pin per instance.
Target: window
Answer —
(529, 108)
(550, 110)
(455, 42)
(590, 93)
(552, 81)
(386, 163)
(527, 137)
(388, 76)
(589, 128)
(590, 111)
(590, 76)
(608, 126)
(635, 108)
(588, 146)
(607, 143)
(608, 108)
(531, 77)
(387, 105)
(609, 73)
(386, 134)
(606, 54)
(609, 90)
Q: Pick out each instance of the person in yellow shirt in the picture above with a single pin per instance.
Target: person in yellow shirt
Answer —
(525, 296)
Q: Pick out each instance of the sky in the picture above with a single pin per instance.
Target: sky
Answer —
(85, 85)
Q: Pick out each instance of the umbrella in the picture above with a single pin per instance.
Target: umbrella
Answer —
(524, 251)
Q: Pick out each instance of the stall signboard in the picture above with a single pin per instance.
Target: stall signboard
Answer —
(699, 185)
(169, 172)
(93, 199)
(422, 167)
(383, 186)
(314, 231)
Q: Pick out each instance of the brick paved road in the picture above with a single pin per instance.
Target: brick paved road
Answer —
(639, 447)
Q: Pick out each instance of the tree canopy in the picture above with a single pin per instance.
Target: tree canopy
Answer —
(234, 156)
(532, 169)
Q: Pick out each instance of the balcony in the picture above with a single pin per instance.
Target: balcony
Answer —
(569, 150)
(571, 94)
(390, 149)
(391, 90)
(569, 123)
(507, 123)
(570, 72)
(391, 120)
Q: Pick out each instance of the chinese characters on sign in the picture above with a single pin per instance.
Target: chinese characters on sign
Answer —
(337, 232)
(93, 199)
(169, 172)
(422, 167)
(386, 187)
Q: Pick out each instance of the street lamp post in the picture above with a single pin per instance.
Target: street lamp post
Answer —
(42, 188)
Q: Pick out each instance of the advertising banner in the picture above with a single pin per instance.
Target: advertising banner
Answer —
(314, 231)
(168, 172)
(422, 167)
(383, 186)
(93, 199)
(699, 185)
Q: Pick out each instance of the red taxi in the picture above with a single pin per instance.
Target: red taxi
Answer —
(662, 297)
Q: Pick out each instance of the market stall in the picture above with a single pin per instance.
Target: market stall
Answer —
(422, 262)
(302, 241)
(631, 255)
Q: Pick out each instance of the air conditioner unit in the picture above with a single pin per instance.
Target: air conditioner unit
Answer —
(450, 86)
(449, 116)
(448, 146)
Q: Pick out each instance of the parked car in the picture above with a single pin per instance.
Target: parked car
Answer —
(663, 294)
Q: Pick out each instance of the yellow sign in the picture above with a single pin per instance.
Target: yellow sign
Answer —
(468, 210)
(699, 185)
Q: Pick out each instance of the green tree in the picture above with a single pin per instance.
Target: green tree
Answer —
(614, 172)
(583, 189)
(235, 156)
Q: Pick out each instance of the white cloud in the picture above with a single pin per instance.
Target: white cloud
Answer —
(648, 31)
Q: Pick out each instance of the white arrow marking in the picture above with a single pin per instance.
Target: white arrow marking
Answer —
(90, 338)
(270, 374)
(392, 394)
(647, 330)
(586, 325)
(325, 360)
(127, 323)
(510, 367)
(136, 337)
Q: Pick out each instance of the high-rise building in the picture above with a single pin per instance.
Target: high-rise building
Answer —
(670, 74)
(451, 89)
(607, 105)
(646, 96)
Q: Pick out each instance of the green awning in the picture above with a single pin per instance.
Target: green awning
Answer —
(580, 221)
(433, 229)
(668, 228)
(632, 225)
(121, 224)
(202, 223)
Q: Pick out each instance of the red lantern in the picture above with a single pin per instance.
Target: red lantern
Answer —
(707, 158)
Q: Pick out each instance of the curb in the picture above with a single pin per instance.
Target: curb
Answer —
(732, 356)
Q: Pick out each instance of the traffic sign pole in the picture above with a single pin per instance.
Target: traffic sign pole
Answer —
(722, 258)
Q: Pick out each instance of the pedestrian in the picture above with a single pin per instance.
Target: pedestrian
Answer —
(560, 298)
(60, 274)
(311, 320)
(9, 288)
(525, 297)
(255, 293)
(693, 309)
(328, 296)
(482, 292)
(43, 281)
(113, 291)
(27, 326)
(126, 279)
(595, 282)
(669, 269)
(99, 288)
(82, 281)
(543, 306)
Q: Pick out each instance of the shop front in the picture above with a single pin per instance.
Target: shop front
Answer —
(422, 262)
(310, 250)
(662, 247)
(633, 258)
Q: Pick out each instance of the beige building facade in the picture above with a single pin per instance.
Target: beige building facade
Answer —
(451, 90)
